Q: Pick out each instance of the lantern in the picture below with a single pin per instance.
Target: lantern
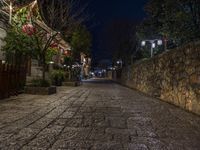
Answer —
(28, 29)
(67, 53)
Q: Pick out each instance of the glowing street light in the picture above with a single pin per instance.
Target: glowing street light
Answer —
(153, 44)
(119, 62)
(160, 42)
(143, 43)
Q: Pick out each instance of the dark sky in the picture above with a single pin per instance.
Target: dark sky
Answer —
(104, 11)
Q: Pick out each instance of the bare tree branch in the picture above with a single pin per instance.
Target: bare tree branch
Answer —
(61, 15)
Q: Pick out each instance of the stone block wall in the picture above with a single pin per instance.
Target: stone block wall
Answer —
(173, 76)
(2, 43)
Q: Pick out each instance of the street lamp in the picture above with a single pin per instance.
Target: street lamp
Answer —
(143, 43)
(153, 44)
(119, 62)
(160, 42)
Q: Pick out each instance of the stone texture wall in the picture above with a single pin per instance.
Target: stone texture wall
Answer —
(173, 76)
(2, 43)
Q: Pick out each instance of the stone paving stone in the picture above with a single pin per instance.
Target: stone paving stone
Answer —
(100, 121)
(72, 144)
(96, 116)
(19, 139)
(74, 122)
(5, 136)
(117, 122)
(71, 133)
(99, 135)
(68, 114)
(121, 135)
(32, 148)
(41, 123)
(181, 144)
(87, 121)
(150, 143)
(59, 122)
(86, 109)
(143, 126)
(46, 137)
(136, 147)
(56, 112)
(108, 146)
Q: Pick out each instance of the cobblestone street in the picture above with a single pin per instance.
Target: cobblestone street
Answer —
(99, 115)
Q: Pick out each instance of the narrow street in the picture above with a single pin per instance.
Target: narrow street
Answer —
(99, 115)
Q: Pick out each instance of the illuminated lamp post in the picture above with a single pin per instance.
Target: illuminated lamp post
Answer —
(119, 62)
(153, 44)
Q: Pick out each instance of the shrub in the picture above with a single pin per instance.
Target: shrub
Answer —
(57, 77)
(40, 83)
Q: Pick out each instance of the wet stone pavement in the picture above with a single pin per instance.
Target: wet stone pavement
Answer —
(99, 115)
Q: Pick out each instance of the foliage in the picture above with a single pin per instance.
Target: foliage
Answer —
(39, 83)
(58, 15)
(50, 53)
(17, 44)
(24, 16)
(178, 21)
(72, 73)
(120, 40)
(57, 75)
(81, 41)
(21, 17)
(68, 61)
(63, 15)
(18, 41)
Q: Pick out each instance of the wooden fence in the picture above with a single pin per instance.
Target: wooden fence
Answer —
(12, 79)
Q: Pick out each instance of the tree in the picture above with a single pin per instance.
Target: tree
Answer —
(178, 21)
(18, 46)
(6, 9)
(61, 16)
(80, 42)
(120, 40)
(58, 16)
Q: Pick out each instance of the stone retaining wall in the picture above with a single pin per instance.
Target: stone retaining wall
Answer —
(173, 76)
(2, 43)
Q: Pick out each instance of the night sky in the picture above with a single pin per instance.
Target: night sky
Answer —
(104, 11)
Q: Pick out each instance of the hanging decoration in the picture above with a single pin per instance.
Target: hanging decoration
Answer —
(54, 45)
(28, 29)
(67, 52)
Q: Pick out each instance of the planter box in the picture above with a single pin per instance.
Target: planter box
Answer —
(40, 90)
(72, 83)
